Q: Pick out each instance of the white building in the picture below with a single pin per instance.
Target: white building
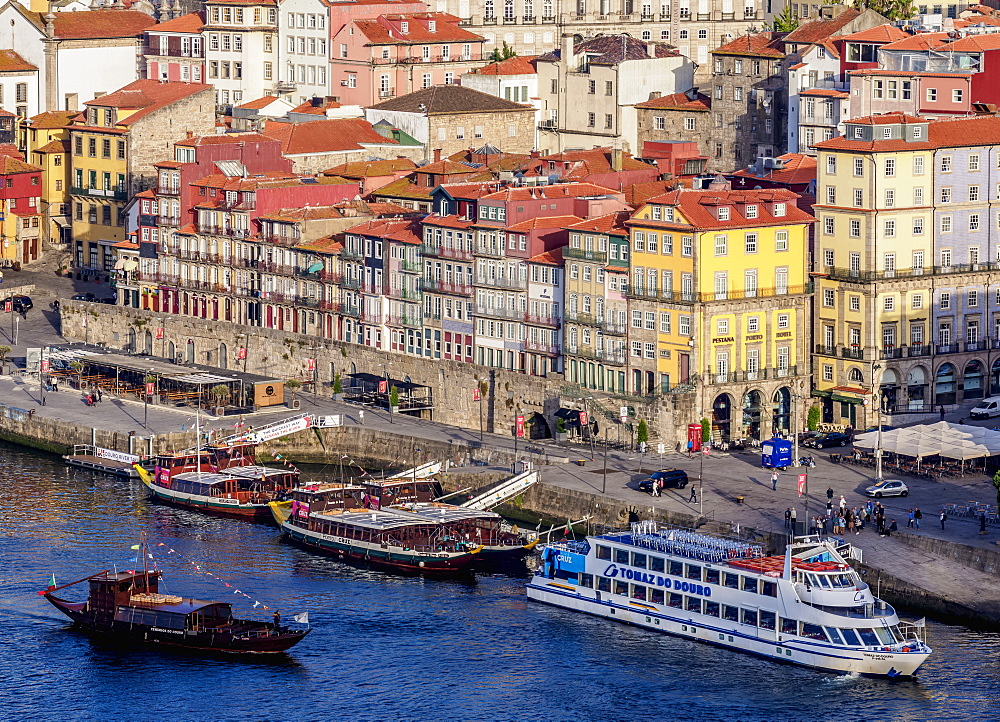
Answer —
(18, 85)
(513, 79)
(817, 98)
(242, 49)
(304, 70)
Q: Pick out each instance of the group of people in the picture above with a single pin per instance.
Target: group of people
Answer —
(93, 397)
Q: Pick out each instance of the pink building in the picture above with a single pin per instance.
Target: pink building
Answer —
(392, 55)
(175, 51)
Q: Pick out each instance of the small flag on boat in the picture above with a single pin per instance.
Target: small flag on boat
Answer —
(134, 546)
(52, 583)
(922, 622)
(301, 618)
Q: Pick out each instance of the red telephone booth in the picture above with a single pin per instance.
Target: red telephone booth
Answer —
(694, 436)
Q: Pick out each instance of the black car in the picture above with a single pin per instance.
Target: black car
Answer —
(831, 439)
(672, 479)
(84, 297)
(21, 303)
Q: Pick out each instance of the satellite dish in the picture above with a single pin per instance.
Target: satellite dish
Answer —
(317, 266)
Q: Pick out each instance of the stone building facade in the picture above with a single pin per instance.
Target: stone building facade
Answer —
(678, 116)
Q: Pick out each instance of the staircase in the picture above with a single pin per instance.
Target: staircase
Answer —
(423, 471)
(592, 402)
(500, 492)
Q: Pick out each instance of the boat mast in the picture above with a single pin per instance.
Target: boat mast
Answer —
(145, 566)
(197, 432)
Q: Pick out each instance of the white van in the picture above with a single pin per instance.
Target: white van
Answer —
(986, 408)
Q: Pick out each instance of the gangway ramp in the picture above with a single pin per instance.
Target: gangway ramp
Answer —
(260, 434)
(423, 471)
(502, 491)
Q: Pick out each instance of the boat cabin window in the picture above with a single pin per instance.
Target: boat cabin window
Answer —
(750, 585)
(621, 556)
(770, 589)
(586, 580)
(656, 596)
(731, 580)
(638, 592)
(621, 588)
(731, 613)
(603, 552)
(693, 604)
(767, 619)
(677, 569)
(895, 633)
(712, 576)
(603, 584)
(676, 600)
(656, 564)
(150, 617)
(712, 609)
(834, 635)
(813, 631)
(693, 572)
(850, 637)
(749, 617)
(789, 626)
(638, 560)
(868, 637)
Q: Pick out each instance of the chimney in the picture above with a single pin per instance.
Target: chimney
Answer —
(567, 48)
(535, 154)
(617, 156)
(190, 134)
(654, 94)
(437, 155)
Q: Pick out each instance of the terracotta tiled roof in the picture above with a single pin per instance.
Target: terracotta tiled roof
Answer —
(371, 168)
(493, 161)
(534, 224)
(10, 166)
(148, 193)
(389, 209)
(405, 230)
(798, 168)
(892, 118)
(12, 62)
(145, 96)
(613, 49)
(695, 205)
(517, 65)
(54, 146)
(443, 99)
(879, 34)
(678, 101)
(469, 191)
(638, 193)
(325, 136)
(271, 179)
(190, 23)
(447, 221)
(308, 107)
(307, 213)
(168, 164)
(560, 190)
(322, 245)
(446, 30)
(260, 103)
(768, 45)
(12, 150)
(447, 167)
(403, 188)
(949, 133)
(86, 24)
(126, 245)
(53, 119)
(920, 41)
(224, 139)
(814, 31)
(974, 43)
(549, 258)
(824, 93)
(612, 223)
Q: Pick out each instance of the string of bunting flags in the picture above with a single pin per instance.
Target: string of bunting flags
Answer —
(201, 569)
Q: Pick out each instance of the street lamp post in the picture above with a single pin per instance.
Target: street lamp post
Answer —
(388, 392)
(877, 400)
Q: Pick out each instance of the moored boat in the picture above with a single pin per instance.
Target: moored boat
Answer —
(241, 491)
(807, 607)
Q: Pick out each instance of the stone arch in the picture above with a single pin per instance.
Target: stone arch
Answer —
(722, 417)
(888, 388)
(223, 356)
(944, 383)
(189, 355)
(855, 375)
(147, 343)
(972, 379)
(916, 388)
(995, 378)
(753, 411)
(781, 410)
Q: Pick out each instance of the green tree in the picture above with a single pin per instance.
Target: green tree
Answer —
(642, 432)
(220, 394)
(4, 350)
(996, 483)
(394, 396)
(501, 54)
(812, 418)
(706, 431)
(293, 385)
(77, 366)
(889, 9)
(338, 385)
(785, 21)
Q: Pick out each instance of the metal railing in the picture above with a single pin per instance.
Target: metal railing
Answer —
(585, 255)
(551, 321)
(851, 274)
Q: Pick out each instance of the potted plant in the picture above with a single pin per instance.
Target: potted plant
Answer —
(4, 350)
(561, 429)
(150, 379)
(78, 366)
(394, 400)
(294, 385)
(338, 388)
(220, 397)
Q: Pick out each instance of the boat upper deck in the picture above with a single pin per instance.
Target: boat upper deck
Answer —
(684, 543)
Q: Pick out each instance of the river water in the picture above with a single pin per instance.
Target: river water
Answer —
(384, 647)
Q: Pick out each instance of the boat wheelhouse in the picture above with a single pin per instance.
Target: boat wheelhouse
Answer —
(129, 607)
(327, 518)
(807, 607)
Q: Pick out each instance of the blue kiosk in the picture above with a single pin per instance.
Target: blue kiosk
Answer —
(776, 453)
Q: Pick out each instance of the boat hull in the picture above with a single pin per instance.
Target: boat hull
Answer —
(402, 562)
(708, 629)
(216, 507)
(259, 640)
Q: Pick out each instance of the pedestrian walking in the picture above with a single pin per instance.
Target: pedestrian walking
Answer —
(917, 516)
(792, 519)
(829, 507)
(788, 517)
(690, 446)
(982, 523)
(693, 499)
(361, 416)
(944, 518)
(942, 413)
(774, 481)
(909, 520)
(100, 396)
(829, 493)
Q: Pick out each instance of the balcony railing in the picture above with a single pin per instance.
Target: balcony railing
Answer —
(947, 348)
(614, 329)
(919, 350)
(500, 312)
(502, 282)
(853, 352)
(550, 321)
(544, 348)
(430, 284)
(611, 357)
(405, 321)
(825, 350)
(585, 255)
(586, 319)
(227, 231)
(279, 239)
(348, 309)
(118, 194)
(349, 282)
(891, 353)
(349, 254)
(168, 220)
(412, 266)
(758, 293)
(850, 274)
(168, 190)
(653, 294)
(406, 294)
(976, 345)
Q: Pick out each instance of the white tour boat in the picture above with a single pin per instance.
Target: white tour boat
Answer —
(808, 607)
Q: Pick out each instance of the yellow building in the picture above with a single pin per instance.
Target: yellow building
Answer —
(720, 285)
(48, 147)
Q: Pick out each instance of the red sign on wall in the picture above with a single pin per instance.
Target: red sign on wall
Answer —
(584, 419)
(383, 386)
(241, 353)
(475, 394)
(803, 479)
(150, 389)
(310, 364)
(519, 427)
(159, 332)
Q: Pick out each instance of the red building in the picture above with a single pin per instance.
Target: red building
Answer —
(175, 50)
(20, 191)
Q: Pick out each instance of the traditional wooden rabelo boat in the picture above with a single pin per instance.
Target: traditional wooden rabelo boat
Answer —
(127, 606)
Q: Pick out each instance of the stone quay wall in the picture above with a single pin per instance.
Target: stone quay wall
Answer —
(283, 355)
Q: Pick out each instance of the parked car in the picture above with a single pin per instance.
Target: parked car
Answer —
(806, 435)
(834, 438)
(885, 427)
(888, 487)
(986, 408)
(672, 479)
(84, 297)
(21, 303)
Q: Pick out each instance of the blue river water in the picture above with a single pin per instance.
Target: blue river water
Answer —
(384, 647)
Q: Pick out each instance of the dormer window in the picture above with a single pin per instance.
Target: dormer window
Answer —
(657, 213)
(668, 213)
(724, 213)
(751, 211)
(404, 27)
(887, 132)
(432, 26)
(918, 131)
(779, 210)
(859, 132)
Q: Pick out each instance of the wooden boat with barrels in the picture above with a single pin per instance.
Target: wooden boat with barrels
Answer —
(128, 607)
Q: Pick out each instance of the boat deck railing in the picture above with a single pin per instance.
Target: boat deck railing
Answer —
(685, 543)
